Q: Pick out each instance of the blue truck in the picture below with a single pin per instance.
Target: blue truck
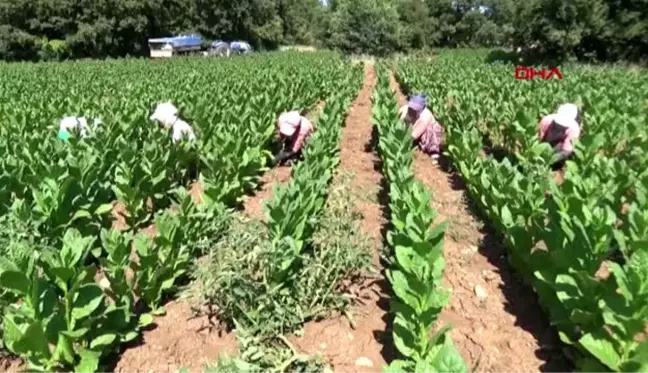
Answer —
(190, 44)
(177, 45)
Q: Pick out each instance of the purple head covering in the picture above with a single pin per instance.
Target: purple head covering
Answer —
(417, 103)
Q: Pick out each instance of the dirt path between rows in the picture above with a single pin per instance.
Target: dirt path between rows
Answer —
(498, 324)
(345, 347)
(253, 204)
(178, 341)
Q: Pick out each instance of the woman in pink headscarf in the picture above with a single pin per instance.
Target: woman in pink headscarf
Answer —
(560, 130)
(427, 133)
(294, 131)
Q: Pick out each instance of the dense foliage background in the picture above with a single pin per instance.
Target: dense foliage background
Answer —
(605, 30)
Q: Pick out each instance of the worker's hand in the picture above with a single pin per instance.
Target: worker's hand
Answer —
(561, 156)
(282, 156)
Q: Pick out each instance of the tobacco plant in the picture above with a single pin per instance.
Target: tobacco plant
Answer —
(417, 259)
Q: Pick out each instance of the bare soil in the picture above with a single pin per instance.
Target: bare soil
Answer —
(253, 204)
(178, 340)
(11, 364)
(498, 324)
(359, 347)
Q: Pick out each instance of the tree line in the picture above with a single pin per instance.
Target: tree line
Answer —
(593, 30)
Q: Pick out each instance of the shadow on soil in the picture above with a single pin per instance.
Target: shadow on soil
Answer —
(521, 301)
(385, 338)
(113, 359)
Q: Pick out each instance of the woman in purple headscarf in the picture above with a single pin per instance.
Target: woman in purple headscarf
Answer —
(427, 133)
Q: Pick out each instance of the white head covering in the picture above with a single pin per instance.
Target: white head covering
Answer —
(78, 123)
(69, 123)
(165, 113)
(566, 115)
(288, 122)
(182, 130)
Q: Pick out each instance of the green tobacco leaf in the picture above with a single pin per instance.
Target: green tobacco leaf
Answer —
(404, 338)
(448, 358)
(103, 341)
(33, 342)
(398, 366)
(638, 360)
(103, 209)
(16, 282)
(63, 350)
(146, 319)
(89, 362)
(507, 217)
(602, 348)
(87, 300)
(80, 214)
(77, 333)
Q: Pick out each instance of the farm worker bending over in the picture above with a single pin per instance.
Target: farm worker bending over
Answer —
(560, 130)
(75, 124)
(167, 115)
(427, 133)
(294, 131)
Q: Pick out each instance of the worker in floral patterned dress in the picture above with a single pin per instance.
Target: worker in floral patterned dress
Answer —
(560, 130)
(427, 133)
(294, 131)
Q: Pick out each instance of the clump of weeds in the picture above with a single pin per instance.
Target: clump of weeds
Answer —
(230, 287)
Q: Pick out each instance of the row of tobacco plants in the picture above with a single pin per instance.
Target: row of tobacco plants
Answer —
(100, 229)
(580, 242)
(416, 255)
(266, 280)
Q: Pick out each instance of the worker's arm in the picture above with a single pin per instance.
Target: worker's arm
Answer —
(305, 129)
(542, 131)
(565, 149)
(402, 113)
(419, 128)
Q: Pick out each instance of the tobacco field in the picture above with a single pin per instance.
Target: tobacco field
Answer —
(122, 251)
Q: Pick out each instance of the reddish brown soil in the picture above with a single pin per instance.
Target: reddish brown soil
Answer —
(179, 340)
(498, 326)
(358, 159)
(359, 348)
(254, 204)
(11, 364)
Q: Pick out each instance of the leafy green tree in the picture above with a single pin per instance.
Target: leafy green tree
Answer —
(364, 27)
(414, 29)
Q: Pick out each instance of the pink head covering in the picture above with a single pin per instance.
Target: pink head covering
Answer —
(288, 123)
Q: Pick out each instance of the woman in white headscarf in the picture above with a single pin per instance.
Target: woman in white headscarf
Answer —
(78, 125)
(560, 130)
(167, 115)
(294, 131)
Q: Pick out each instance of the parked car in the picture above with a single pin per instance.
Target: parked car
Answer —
(240, 47)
